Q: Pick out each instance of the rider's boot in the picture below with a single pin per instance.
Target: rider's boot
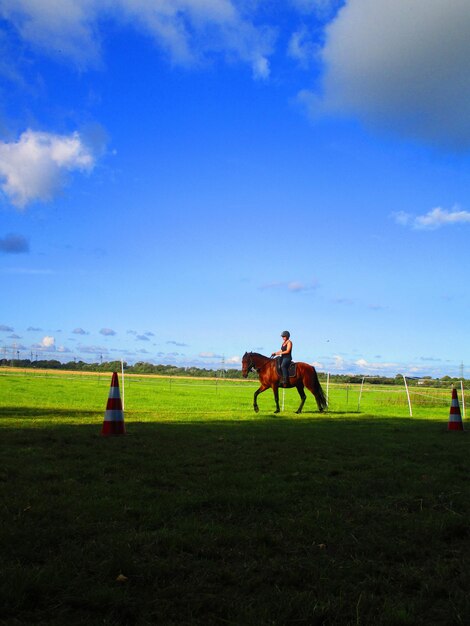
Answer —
(285, 381)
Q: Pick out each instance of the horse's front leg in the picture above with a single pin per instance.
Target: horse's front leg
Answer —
(257, 392)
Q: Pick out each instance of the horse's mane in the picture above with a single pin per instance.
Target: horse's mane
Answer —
(261, 355)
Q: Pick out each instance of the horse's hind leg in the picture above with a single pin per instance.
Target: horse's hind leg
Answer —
(311, 388)
(300, 389)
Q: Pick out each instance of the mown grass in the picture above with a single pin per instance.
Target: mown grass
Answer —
(209, 514)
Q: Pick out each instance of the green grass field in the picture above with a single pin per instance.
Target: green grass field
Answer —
(205, 513)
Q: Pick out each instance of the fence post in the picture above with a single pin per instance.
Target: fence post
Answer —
(123, 386)
(463, 399)
(408, 395)
(360, 395)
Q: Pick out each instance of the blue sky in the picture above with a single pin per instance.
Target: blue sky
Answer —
(181, 181)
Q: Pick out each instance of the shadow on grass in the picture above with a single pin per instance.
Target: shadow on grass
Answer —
(33, 413)
(314, 519)
(149, 421)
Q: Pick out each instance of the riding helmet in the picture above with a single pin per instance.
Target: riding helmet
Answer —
(285, 333)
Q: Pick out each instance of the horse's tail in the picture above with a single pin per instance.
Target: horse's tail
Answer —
(318, 391)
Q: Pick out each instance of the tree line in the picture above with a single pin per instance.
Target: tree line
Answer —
(142, 367)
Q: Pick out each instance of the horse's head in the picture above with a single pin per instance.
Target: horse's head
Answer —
(247, 363)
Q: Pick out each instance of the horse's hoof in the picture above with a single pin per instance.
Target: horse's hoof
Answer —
(277, 411)
(256, 409)
(299, 412)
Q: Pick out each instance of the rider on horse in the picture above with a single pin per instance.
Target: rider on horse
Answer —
(286, 356)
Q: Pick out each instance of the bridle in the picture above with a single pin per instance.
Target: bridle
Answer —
(251, 364)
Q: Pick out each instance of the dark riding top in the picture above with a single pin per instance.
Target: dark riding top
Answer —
(286, 359)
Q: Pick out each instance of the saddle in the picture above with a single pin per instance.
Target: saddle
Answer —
(292, 368)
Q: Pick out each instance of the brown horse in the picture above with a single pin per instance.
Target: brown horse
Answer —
(306, 376)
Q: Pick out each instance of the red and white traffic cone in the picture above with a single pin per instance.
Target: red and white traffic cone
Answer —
(455, 418)
(114, 416)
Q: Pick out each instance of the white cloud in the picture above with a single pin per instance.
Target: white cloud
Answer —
(402, 66)
(188, 30)
(440, 217)
(362, 366)
(302, 47)
(367, 366)
(33, 168)
(233, 360)
(260, 66)
(401, 217)
(339, 363)
(435, 218)
(64, 27)
(47, 344)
